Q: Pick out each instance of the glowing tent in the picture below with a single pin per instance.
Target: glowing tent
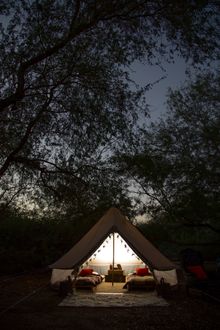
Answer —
(112, 240)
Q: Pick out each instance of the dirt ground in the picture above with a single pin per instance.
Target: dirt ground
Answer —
(40, 310)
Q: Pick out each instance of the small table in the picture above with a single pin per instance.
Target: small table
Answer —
(115, 276)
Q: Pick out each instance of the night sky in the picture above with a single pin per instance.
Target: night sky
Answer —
(174, 76)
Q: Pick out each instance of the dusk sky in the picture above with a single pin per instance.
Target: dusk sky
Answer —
(156, 97)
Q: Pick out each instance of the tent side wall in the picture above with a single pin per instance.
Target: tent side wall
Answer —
(59, 275)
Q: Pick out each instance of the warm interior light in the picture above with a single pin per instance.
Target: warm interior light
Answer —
(123, 253)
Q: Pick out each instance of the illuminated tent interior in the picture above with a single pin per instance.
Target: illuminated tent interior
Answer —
(112, 240)
(115, 250)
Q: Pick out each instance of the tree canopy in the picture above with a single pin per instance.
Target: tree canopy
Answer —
(67, 102)
(176, 163)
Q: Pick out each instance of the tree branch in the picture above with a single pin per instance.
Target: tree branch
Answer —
(27, 134)
(19, 94)
(74, 31)
(5, 205)
(50, 187)
(36, 164)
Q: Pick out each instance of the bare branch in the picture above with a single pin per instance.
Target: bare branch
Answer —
(5, 205)
(25, 138)
(20, 93)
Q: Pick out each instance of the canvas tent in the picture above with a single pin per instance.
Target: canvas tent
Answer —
(113, 221)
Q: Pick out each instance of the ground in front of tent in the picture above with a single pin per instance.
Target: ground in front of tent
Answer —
(41, 311)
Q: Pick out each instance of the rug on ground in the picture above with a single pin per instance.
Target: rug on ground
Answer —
(113, 300)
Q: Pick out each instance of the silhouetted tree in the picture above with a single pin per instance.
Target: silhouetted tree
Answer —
(177, 165)
(66, 98)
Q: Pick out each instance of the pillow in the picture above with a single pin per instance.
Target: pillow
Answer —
(86, 272)
(198, 271)
(95, 273)
(142, 271)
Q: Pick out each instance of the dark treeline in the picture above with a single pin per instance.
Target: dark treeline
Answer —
(28, 244)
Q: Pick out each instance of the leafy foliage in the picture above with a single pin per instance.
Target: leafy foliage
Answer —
(177, 164)
(66, 99)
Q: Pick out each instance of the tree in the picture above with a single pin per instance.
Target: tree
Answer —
(65, 90)
(178, 166)
(194, 149)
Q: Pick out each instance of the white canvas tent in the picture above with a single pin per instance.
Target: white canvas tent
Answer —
(92, 242)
